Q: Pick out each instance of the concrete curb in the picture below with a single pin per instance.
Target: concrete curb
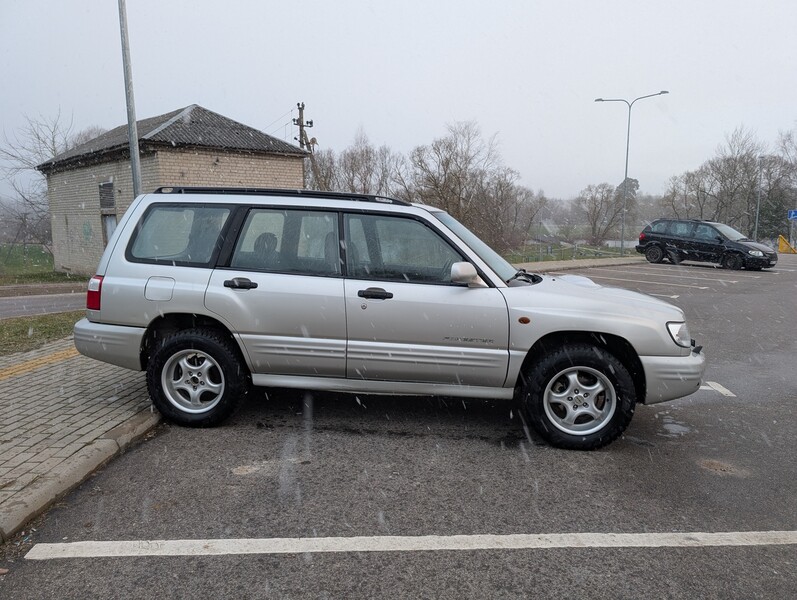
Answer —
(43, 492)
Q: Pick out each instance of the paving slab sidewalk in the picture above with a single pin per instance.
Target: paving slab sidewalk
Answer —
(63, 416)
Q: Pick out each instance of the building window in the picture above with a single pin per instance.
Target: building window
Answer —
(107, 210)
(107, 199)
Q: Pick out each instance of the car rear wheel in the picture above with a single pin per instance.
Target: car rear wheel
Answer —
(654, 254)
(196, 378)
(732, 261)
(579, 397)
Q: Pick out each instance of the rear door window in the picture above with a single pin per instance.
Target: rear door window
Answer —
(289, 241)
(681, 228)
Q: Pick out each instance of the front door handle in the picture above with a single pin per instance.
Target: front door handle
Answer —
(375, 293)
(240, 283)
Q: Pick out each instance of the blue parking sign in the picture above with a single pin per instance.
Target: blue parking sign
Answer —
(793, 215)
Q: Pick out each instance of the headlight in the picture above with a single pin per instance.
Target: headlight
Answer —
(680, 333)
(755, 252)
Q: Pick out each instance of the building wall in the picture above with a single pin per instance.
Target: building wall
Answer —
(74, 196)
(203, 167)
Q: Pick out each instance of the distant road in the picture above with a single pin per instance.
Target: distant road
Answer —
(24, 306)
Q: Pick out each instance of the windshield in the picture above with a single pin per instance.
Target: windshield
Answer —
(730, 232)
(495, 261)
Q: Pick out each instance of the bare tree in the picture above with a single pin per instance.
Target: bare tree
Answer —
(602, 208)
(323, 165)
(39, 140)
(741, 182)
(459, 172)
(463, 174)
(451, 172)
(360, 168)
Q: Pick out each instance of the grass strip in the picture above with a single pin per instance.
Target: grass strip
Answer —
(22, 334)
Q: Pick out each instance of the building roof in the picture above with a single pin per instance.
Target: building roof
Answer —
(193, 126)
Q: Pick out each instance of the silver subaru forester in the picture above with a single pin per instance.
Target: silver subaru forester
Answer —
(213, 290)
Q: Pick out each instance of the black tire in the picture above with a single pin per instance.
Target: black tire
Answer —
(732, 261)
(583, 384)
(654, 254)
(197, 378)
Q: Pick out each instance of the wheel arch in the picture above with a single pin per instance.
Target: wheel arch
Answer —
(616, 345)
(170, 323)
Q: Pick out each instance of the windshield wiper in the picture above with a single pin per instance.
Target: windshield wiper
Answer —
(525, 275)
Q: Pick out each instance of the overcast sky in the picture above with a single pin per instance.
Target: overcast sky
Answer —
(526, 70)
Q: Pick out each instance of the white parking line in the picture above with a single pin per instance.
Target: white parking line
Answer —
(713, 385)
(428, 543)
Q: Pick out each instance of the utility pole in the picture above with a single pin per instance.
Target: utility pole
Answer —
(132, 129)
(304, 143)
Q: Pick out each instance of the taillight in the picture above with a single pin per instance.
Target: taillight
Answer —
(642, 237)
(94, 292)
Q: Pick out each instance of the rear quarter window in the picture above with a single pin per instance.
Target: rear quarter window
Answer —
(659, 227)
(175, 234)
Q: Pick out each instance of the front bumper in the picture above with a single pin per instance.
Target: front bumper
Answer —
(671, 377)
(762, 262)
(114, 344)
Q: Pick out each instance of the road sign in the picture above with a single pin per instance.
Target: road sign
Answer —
(793, 215)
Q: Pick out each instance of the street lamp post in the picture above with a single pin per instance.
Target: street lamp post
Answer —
(627, 146)
(758, 196)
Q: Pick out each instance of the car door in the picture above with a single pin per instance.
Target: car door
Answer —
(681, 239)
(406, 320)
(707, 243)
(282, 292)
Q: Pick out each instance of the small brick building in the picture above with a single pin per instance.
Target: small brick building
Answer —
(90, 186)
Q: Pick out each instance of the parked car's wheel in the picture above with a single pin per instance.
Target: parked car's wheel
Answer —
(732, 261)
(579, 397)
(654, 254)
(196, 378)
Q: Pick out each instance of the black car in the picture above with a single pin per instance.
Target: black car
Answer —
(704, 241)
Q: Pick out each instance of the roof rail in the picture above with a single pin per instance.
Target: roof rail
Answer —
(280, 192)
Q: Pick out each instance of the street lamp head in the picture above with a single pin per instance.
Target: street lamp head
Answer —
(598, 99)
(662, 92)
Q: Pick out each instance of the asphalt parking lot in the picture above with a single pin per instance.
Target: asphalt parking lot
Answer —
(332, 496)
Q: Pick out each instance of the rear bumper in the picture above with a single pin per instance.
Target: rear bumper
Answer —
(114, 344)
(671, 377)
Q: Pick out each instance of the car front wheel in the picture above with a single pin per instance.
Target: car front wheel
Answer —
(196, 378)
(732, 261)
(654, 254)
(579, 397)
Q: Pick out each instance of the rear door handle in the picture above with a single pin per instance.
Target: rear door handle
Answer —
(240, 283)
(375, 293)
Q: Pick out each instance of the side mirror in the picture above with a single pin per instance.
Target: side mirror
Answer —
(464, 273)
